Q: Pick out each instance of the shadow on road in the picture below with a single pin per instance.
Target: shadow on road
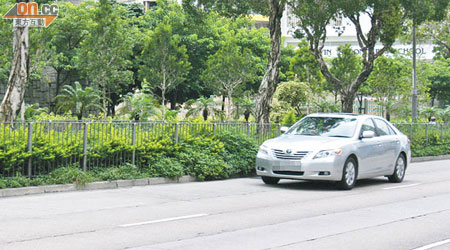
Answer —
(324, 185)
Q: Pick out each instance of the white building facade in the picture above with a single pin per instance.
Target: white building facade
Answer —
(342, 31)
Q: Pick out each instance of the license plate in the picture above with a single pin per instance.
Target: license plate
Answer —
(290, 165)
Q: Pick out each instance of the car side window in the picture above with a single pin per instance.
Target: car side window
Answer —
(382, 128)
(391, 130)
(368, 126)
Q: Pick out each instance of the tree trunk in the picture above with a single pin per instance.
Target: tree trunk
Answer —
(105, 105)
(270, 80)
(205, 114)
(229, 105)
(223, 103)
(18, 76)
(163, 96)
(347, 103)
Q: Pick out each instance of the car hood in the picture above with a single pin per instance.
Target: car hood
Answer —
(306, 143)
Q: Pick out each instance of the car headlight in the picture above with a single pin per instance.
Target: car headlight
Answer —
(263, 150)
(326, 153)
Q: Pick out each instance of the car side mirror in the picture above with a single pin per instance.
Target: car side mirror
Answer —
(368, 134)
(284, 129)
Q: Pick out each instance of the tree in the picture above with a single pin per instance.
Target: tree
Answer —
(202, 105)
(386, 19)
(18, 76)
(5, 44)
(246, 107)
(63, 38)
(270, 80)
(440, 81)
(294, 94)
(228, 68)
(445, 114)
(78, 100)
(138, 106)
(346, 67)
(429, 112)
(104, 53)
(439, 33)
(165, 63)
(390, 81)
(304, 67)
(274, 9)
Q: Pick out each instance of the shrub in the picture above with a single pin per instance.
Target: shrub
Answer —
(71, 174)
(166, 167)
(125, 172)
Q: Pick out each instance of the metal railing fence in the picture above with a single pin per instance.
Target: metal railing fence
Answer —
(37, 148)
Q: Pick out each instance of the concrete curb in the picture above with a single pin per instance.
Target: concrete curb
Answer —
(430, 158)
(10, 192)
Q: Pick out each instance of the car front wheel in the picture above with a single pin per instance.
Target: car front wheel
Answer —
(270, 180)
(348, 175)
(399, 172)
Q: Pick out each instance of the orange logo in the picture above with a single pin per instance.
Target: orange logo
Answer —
(28, 14)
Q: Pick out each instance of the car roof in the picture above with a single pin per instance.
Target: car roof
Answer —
(346, 115)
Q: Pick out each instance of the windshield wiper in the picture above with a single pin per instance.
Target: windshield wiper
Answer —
(340, 136)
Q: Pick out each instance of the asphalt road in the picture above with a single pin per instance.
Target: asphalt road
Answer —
(239, 214)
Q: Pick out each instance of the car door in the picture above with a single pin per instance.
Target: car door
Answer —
(368, 150)
(388, 145)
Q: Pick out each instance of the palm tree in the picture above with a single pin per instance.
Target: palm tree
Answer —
(445, 114)
(428, 112)
(78, 100)
(246, 107)
(324, 106)
(205, 106)
(138, 106)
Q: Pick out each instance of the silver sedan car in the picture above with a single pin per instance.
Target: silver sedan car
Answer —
(335, 147)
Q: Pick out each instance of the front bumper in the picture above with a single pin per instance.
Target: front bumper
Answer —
(328, 168)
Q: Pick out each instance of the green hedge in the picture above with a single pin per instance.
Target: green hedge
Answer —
(206, 158)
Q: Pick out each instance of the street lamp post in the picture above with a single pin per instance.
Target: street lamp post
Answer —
(414, 76)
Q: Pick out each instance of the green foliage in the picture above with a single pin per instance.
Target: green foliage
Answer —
(79, 100)
(166, 167)
(231, 66)
(390, 81)
(126, 172)
(71, 174)
(346, 66)
(104, 54)
(293, 94)
(245, 106)
(290, 118)
(203, 106)
(304, 67)
(239, 152)
(5, 43)
(138, 106)
(164, 58)
(439, 77)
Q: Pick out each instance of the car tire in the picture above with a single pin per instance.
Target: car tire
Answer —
(399, 171)
(349, 174)
(270, 180)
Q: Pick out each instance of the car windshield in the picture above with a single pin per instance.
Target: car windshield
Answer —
(324, 126)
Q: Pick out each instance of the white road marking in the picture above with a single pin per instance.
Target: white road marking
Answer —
(404, 186)
(164, 220)
(433, 245)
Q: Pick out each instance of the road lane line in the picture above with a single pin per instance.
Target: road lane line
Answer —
(433, 245)
(404, 186)
(164, 220)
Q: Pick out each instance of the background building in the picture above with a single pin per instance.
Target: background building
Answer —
(341, 31)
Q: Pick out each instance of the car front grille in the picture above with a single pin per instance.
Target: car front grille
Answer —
(288, 172)
(281, 154)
